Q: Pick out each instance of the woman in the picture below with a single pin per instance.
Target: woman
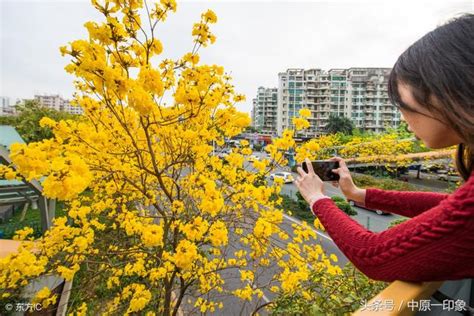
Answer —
(432, 83)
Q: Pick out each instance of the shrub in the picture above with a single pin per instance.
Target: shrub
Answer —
(396, 222)
(297, 208)
(365, 181)
(344, 205)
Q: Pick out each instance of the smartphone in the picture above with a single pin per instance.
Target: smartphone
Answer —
(323, 169)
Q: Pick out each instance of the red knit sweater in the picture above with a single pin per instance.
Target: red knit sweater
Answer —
(436, 244)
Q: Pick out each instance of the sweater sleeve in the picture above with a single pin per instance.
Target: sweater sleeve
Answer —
(436, 245)
(408, 204)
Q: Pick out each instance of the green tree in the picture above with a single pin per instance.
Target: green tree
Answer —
(8, 120)
(339, 124)
(401, 130)
(27, 121)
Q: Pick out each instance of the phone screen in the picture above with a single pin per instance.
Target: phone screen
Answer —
(323, 169)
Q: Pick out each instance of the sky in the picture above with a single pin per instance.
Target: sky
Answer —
(255, 39)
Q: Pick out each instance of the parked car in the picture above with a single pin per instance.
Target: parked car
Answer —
(286, 176)
(253, 158)
(379, 212)
(448, 176)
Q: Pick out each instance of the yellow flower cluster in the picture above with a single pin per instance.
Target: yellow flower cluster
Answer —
(21, 266)
(186, 254)
(44, 297)
(195, 230)
(218, 234)
(140, 297)
(300, 123)
(152, 236)
(7, 173)
(201, 30)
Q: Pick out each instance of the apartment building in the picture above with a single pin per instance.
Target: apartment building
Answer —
(264, 111)
(370, 107)
(359, 94)
(4, 105)
(57, 103)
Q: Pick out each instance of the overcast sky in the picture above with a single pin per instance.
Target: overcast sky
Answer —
(255, 39)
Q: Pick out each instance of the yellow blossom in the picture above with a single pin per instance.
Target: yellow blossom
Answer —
(300, 123)
(305, 113)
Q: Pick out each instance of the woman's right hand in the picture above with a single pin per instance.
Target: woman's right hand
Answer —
(346, 184)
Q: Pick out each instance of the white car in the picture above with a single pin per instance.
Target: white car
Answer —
(286, 176)
(448, 176)
(253, 158)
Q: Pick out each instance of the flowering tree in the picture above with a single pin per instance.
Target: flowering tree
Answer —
(154, 218)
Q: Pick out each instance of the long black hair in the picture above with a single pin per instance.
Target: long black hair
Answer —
(439, 69)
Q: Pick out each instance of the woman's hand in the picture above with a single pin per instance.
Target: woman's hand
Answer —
(345, 183)
(309, 184)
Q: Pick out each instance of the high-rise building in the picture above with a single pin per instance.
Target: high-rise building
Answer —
(359, 94)
(4, 102)
(371, 108)
(291, 92)
(7, 107)
(264, 111)
(56, 102)
(4, 105)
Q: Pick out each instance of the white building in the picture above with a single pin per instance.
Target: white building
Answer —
(370, 107)
(264, 112)
(4, 104)
(56, 102)
(68, 107)
(356, 93)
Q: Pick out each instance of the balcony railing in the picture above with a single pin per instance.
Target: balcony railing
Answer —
(398, 295)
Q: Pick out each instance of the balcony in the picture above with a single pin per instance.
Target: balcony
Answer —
(322, 110)
(323, 95)
(325, 87)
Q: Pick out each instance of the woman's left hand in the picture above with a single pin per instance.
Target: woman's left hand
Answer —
(309, 184)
